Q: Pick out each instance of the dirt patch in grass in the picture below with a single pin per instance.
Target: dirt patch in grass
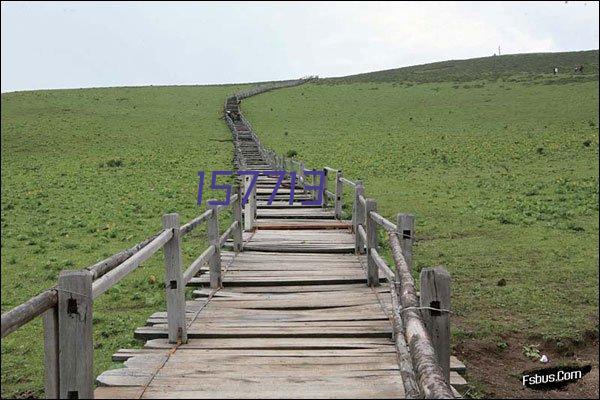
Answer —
(495, 371)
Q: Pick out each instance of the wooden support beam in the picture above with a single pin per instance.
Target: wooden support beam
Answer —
(216, 280)
(338, 195)
(51, 346)
(237, 216)
(301, 177)
(174, 284)
(76, 352)
(325, 185)
(250, 206)
(358, 218)
(435, 294)
(371, 228)
(406, 233)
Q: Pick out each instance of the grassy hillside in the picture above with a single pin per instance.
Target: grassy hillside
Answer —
(86, 173)
(492, 68)
(499, 168)
(502, 177)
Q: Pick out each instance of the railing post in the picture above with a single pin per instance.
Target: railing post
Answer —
(51, 345)
(174, 285)
(371, 229)
(338, 195)
(76, 354)
(435, 293)
(237, 216)
(313, 182)
(250, 207)
(359, 218)
(406, 234)
(325, 178)
(355, 207)
(301, 176)
(215, 260)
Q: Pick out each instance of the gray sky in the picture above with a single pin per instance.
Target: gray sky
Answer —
(68, 45)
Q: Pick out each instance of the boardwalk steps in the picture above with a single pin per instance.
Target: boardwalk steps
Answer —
(294, 317)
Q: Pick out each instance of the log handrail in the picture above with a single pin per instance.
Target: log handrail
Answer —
(187, 228)
(429, 373)
(387, 225)
(113, 277)
(348, 182)
(198, 263)
(37, 305)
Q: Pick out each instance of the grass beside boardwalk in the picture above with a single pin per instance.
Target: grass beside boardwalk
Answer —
(85, 174)
(501, 175)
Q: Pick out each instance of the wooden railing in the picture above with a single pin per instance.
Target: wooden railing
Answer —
(67, 308)
(273, 85)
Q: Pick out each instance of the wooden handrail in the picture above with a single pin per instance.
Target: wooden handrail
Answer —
(223, 238)
(363, 234)
(187, 228)
(103, 284)
(198, 263)
(25, 312)
(348, 182)
(389, 226)
(429, 373)
(381, 264)
(37, 305)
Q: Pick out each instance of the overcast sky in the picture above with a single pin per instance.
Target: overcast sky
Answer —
(69, 45)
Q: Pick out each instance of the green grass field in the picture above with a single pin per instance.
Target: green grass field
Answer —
(500, 169)
(85, 174)
(501, 175)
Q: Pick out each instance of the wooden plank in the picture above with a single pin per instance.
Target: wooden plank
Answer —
(295, 224)
(267, 344)
(355, 288)
(298, 212)
(457, 365)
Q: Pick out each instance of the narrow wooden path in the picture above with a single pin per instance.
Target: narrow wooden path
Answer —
(289, 301)
(294, 317)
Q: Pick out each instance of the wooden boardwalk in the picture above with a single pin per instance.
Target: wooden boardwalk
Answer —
(290, 301)
(294, 317)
